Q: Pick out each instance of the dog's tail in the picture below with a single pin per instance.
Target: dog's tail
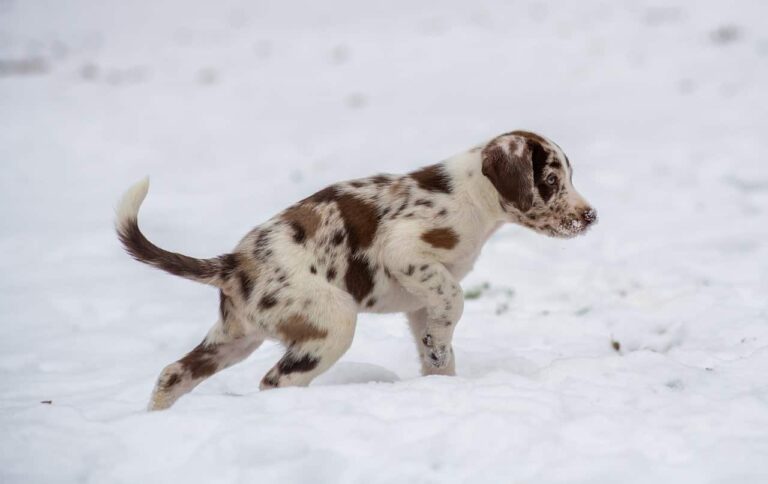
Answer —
(209, 271)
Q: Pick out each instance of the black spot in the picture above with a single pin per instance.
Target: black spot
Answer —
(313, 269)
(172, 380)
(539, 159)
(425, 203)
(291, 364)
(299, 234)
(224, 306)
(409, 271)
(270, 380)
(331, 274)
(246, 284)
(371, 302)
(400, 209)
(338, 238)
(424, 267)
(267, 301)
(229, 264)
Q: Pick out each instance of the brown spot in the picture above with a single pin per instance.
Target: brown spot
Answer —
(361, 220)
(425, 203)
(381, 179)
(371, 302)
(358, 279)
(441, 238)
(304, 221)
(510, 174)
(433, 178)
(409, 271)
(200, 362)
(529, 135)
(327, 194)
(267, 301)
(331, 274)
(398, 187)
(616, 345)
(297, 328)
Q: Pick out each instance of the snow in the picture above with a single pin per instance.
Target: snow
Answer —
(638, 353)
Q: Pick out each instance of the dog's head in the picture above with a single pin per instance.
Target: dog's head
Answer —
(534, 180)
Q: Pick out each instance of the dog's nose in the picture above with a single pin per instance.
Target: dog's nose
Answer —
(589, 215)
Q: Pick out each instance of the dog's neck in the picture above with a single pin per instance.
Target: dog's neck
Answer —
(479, 194)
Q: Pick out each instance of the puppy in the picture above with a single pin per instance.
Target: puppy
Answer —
(388, 243)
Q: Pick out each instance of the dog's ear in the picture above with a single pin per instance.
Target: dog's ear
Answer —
(508, 165)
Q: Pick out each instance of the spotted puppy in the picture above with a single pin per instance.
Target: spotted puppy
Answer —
(388, 243)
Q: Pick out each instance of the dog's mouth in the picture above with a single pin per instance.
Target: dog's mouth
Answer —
(570, 228)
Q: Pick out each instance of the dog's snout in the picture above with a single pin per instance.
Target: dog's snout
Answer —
(589, 215)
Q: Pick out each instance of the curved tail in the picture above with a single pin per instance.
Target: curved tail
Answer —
(209, 271)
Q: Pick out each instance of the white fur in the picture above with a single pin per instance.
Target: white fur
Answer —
(130, 203)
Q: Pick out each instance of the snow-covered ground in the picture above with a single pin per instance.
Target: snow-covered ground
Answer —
(638, 353)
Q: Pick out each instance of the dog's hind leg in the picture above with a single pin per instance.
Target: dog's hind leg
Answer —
(315, 341)
(204, 360)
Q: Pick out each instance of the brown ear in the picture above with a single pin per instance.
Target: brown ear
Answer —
(511, 174)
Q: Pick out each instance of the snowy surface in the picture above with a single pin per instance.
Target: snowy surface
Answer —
(237, 109)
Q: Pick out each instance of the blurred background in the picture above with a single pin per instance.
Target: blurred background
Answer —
(653, 327)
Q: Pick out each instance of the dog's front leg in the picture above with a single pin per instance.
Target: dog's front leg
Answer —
(433, 325)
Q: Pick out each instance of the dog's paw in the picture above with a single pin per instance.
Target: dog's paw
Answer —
(436, 355)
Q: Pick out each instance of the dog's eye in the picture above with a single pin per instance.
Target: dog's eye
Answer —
(551, 179)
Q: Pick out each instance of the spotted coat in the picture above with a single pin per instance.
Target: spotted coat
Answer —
(386, 243)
